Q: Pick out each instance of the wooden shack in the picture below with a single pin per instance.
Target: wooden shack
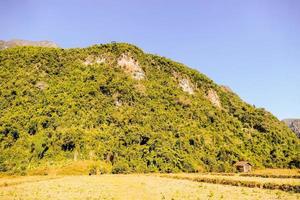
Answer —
(243, 166)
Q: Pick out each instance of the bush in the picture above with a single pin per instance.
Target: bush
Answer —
(105, 168)
(120, 167)
(3, 167)
(93, 170)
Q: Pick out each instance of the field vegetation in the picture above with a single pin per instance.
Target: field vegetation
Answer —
(237, 177)
(132, 186)
(275, 173)
(285, 184)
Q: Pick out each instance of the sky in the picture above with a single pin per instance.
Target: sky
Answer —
(252, 46)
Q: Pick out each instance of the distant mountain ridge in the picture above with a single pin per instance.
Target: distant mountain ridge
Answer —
(17, 42)
(294, 124)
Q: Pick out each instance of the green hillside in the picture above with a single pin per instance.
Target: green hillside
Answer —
(135, 111)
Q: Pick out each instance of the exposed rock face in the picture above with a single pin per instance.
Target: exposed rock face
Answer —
(41, 85)
(294, 124)
(131, 66)
(186, 86)
(14, 43)
(214, 98)
(184, 83)
(93, 60)
(117, 100)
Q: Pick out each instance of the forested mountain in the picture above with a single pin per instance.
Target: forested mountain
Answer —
(135, 111)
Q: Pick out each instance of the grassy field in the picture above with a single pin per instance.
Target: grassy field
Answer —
(127, 187)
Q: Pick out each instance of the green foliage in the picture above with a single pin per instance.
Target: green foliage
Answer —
(120, 167)
(53, 105)
(93, 170)
(105, 168)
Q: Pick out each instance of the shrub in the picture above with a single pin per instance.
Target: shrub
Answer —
(93, 170)
(120, 167)
(105, 168)
(3, 167)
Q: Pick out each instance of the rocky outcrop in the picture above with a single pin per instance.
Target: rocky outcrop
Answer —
(213, 97)
(41, 85)
(94, 60)
(186, 86)
(294, 124)
(131, 66)
(184, 83)
(14, 43)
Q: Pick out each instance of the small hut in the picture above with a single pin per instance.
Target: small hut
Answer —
(243, 166)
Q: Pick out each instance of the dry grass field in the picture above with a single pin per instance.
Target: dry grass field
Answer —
(127, 187)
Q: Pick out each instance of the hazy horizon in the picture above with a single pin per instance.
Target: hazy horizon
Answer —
(251, 46)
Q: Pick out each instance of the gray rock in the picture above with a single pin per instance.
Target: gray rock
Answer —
(294, 124)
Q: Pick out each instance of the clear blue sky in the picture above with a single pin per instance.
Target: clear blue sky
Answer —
(253, 46)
